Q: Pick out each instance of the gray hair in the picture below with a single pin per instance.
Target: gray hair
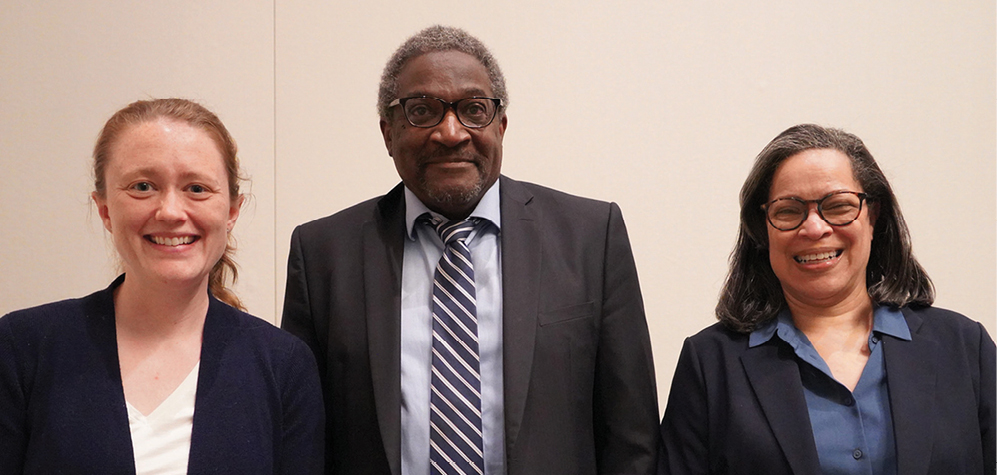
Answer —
(437, 38)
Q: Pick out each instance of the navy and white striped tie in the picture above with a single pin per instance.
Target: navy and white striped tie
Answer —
(455, 444)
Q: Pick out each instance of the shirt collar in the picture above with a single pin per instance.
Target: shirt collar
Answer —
(488, 209)
(890, 321)
(885, 320)
(782, 325)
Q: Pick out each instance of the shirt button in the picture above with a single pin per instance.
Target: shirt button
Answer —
(857, 454)
(849, 401)
(875, 339)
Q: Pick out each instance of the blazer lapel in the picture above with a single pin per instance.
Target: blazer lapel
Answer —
(383, 239)
(911, 376)
(521, 263)
(775, 378)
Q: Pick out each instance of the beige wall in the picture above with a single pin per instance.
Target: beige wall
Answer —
(659, 106)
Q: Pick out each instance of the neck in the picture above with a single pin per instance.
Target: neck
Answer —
(159, 310)
(839, 333)
(853, 313)
(455, 214)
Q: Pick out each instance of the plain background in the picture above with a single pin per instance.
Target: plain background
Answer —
(659, 106)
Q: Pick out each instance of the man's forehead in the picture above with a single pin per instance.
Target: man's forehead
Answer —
(444, 56)
(452, 71)
(458, 93)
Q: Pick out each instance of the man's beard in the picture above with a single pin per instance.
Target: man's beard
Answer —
(454, 195)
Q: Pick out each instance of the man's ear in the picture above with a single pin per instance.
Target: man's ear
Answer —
(503, 124)
(386, 134)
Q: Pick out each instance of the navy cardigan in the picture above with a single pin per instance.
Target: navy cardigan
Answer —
(258, 407)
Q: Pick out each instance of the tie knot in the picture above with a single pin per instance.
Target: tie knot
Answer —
(451, 231)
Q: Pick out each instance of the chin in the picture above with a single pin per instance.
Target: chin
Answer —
(821, 291)
(180, 276)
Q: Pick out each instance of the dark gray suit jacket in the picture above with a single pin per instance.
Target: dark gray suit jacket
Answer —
(579, 378)
(734, 409)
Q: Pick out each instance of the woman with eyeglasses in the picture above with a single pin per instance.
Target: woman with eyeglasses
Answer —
(161, 372)
(829, 357)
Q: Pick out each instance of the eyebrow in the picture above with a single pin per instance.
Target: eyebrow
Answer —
(152, 172)
(825, 195)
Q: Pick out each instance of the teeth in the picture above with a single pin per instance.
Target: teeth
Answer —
(175, 241)
(820, 256)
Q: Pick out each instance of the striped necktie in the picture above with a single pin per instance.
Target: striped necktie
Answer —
(455, 444)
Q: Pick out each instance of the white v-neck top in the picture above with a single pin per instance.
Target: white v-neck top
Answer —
(161, 440)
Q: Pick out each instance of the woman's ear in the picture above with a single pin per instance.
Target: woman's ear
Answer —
(873, 213)
(233, 211)
(101, 203)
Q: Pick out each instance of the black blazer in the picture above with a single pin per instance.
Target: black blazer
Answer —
(578, 375)
(734, 409)
(258, 407)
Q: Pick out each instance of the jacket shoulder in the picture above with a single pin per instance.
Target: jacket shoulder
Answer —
(717, 332)
(942, 324)
(47, 311)
(53, 316)
(717, 337)
(256, 333)
(554, 197)
(348, 217)
(349, 221)
(558, 210)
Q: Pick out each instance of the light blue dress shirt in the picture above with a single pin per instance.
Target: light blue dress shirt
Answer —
(423, 250)
(853, 431)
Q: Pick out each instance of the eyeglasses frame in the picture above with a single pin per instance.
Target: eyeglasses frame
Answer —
(820, 208)
(447, 105)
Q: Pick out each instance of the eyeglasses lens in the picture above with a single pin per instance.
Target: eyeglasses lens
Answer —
(837, 209)
(840, 208)
(428, 112)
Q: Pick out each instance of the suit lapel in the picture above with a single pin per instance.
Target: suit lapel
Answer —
(521, 263)
(910, 376)
(383, 245)
(775, 379)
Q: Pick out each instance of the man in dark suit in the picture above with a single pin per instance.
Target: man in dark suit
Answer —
(466, 322)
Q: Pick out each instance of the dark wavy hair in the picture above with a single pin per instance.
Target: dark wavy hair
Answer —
(752, 295)
(197, 116)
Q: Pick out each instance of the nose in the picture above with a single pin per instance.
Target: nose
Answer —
(171, 207)
(450, 131)
(814, 227)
